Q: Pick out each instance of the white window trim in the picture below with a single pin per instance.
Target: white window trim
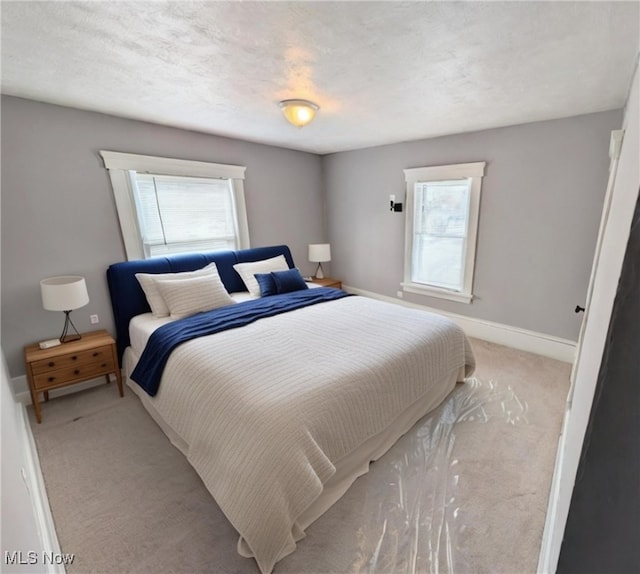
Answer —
(120, 164)
(475, 171)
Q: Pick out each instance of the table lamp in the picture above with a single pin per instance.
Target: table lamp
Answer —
(65, 293)
(319, 253)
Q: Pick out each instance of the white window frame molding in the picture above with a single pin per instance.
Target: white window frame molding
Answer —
(120, 164)
(475, 171)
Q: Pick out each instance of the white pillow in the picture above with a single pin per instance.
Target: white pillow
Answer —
(248, 270)
(185, 297)
(148, 283)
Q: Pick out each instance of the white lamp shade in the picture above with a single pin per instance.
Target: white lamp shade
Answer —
(319, 252)
(64, 293)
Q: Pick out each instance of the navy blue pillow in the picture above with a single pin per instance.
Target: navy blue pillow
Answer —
(267, 284)
(287, 281)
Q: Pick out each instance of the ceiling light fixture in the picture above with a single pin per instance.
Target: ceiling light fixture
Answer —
(298, 112)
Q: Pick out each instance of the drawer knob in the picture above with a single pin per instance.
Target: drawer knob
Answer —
(103, 365)
(96, 354)
(51, 364)
(74, 358)
(76, 372)
(51, 379)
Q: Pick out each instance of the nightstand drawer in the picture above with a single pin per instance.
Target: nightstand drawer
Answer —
(80, 359)
(73, 372)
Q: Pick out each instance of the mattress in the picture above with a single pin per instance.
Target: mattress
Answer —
(141, 327)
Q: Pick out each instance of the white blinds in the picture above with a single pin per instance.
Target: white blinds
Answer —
(441, 220)
(178, 214)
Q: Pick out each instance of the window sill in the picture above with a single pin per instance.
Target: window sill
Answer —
(439, 293)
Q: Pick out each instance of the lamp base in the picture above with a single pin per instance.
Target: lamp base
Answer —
(66, 337)
(319, 273)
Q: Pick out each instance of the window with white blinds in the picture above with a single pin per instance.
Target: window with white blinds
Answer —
(442, 221)
(175, 206)
(179, 214)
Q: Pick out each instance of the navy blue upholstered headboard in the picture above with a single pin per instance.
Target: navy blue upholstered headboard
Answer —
(128, 298)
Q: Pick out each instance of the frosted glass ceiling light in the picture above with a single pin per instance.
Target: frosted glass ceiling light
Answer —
(298, 112)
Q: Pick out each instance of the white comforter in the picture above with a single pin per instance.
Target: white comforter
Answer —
(268, 409)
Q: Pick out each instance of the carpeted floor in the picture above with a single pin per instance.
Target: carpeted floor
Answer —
(464, 491)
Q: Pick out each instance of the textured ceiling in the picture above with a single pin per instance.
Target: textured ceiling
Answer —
(381, 72)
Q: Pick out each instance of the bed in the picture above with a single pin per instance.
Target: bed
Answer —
(280, 413)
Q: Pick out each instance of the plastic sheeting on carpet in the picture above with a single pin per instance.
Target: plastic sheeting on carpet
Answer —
(415, 523)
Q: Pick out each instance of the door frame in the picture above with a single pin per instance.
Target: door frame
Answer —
(608, 266)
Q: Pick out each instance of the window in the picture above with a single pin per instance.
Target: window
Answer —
(184, 214)
(442, 221)
(173, 206)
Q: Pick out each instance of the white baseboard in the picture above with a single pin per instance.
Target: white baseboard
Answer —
(514, 337)
(35, 484)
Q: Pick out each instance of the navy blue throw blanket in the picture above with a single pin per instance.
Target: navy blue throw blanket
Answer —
(166, 338)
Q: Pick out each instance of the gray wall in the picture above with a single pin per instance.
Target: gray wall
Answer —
(542, 197)
(59, 216)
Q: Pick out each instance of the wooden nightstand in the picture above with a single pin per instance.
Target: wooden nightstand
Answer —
(327, 282)
(69, 363)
